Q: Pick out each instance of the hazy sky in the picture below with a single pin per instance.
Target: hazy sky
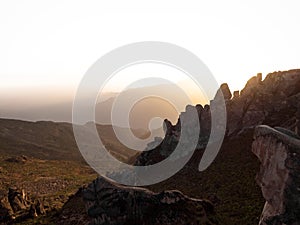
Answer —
(47, 46)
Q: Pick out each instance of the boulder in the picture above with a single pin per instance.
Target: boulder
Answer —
(110, 203)
(278, 150)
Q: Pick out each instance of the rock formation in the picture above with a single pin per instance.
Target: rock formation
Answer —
(279, 178)
(17, 205)
(110, 203)
(226, 91)
(274, 101)
(236, 94)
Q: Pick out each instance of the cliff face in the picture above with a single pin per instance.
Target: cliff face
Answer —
(279, 177)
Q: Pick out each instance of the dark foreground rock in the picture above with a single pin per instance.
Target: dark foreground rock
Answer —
(74, 211)
(110, 203)
(279, 178)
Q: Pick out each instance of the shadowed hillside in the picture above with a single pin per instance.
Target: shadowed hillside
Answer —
(50, 140)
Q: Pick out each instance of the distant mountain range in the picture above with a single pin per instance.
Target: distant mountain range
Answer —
(50, 140)
(140, 115)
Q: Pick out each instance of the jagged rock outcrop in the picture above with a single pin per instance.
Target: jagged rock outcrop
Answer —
(252, 84)
(224, 88)
(110, 203)
(274, 101)
(236, 94)
(279, 178)
(17, 205)
(172, 134)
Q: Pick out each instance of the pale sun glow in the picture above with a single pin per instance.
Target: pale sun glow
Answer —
(46, 47)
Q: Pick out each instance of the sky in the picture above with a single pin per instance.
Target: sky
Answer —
(47, 46)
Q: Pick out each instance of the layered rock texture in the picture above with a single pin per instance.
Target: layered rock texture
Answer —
(279, 178)
(110, 203)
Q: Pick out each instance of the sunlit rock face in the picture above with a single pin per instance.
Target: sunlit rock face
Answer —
(273, 101)
(224, 88)
(279, 177)
(114, 204)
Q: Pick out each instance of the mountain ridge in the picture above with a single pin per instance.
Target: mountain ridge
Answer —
(229, 183)
(54, 140)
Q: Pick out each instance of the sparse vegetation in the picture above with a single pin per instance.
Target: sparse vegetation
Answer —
(53, 181)
(229, 182)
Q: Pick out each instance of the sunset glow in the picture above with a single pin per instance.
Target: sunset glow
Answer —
(47, 48)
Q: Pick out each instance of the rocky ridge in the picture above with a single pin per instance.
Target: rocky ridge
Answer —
(274, 101)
